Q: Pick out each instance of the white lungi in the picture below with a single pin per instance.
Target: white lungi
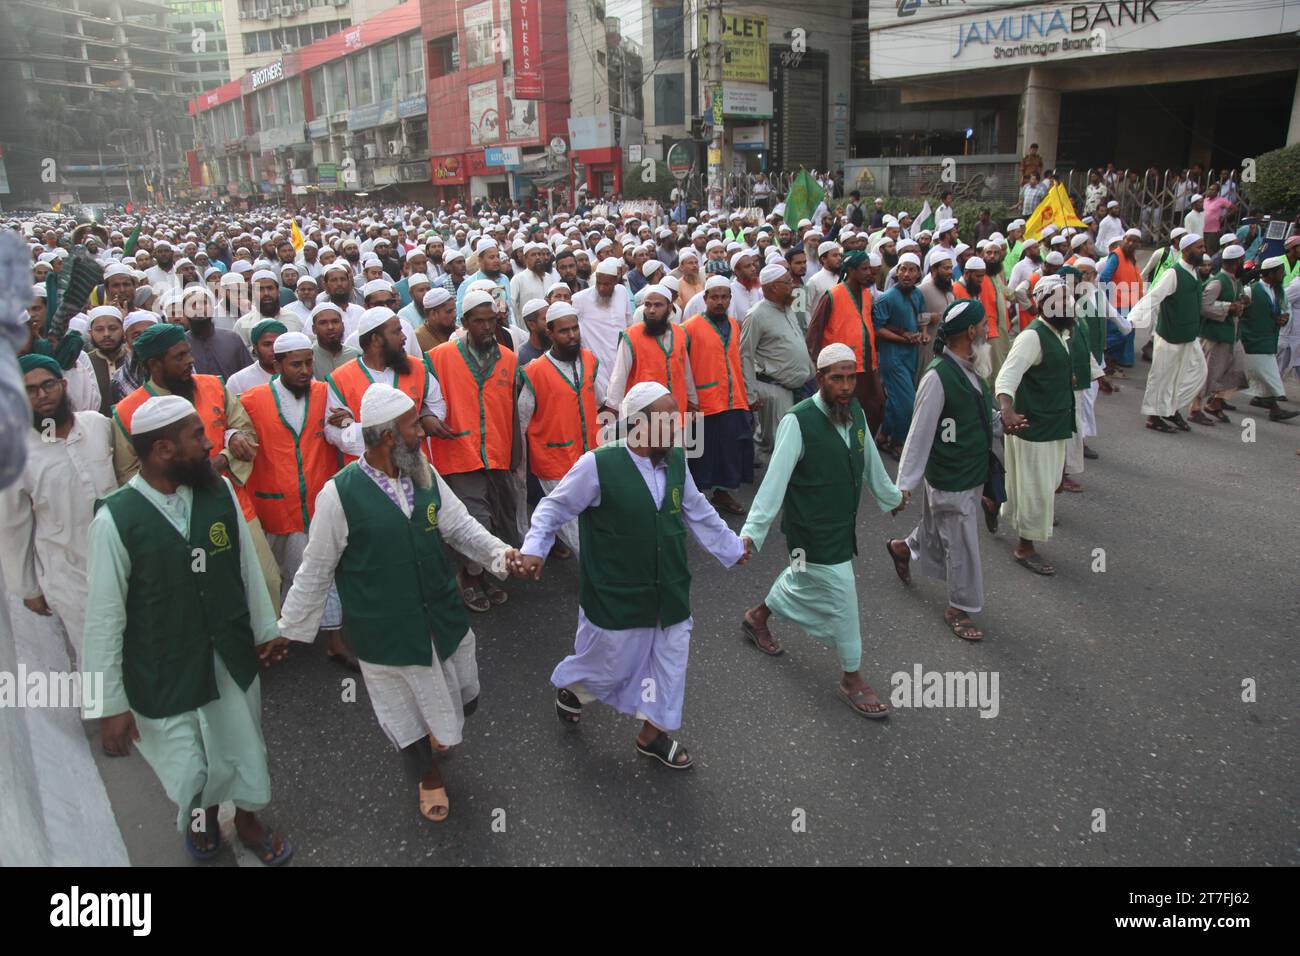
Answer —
(413, 702)
(1176, 377)
(1033, 471)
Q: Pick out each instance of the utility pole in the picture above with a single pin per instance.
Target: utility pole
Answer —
(713, 97)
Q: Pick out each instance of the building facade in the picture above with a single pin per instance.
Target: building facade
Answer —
(262, 31)
(202, 59)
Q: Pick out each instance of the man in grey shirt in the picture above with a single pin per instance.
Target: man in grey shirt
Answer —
(773, 355)
(329, 352)
(216, 351)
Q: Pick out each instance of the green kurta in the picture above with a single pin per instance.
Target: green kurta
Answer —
(205, 756)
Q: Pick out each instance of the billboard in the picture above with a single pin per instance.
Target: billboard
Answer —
(484, 118)
(526, 44)
(479, 40)
(744, 47)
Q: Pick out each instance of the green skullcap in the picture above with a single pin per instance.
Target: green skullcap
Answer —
(34, 360)
(961, 314)
(853, 259)
(268, 325)
(156, 340)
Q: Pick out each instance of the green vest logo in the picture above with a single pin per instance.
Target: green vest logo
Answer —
(432, 514)
(219, 537)
(677, 500)
(862, 439)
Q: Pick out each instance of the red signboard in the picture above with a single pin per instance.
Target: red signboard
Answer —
(195, 170)
(526, 35)
(448, 170)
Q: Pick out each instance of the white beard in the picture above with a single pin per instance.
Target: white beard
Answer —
(982, 359)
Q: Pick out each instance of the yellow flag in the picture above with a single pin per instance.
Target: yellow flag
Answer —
(296, 237)
(1055, 210)
(57, 206)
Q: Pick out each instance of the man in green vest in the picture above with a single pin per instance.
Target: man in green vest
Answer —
(1160, 262)
(183, 621)
(946, 456)
(1291, 260)
(1222, 300)
(1173, 306)
(634, 500)
(380, 523)
(1261, 326)
(1035, 392)
(822, 456)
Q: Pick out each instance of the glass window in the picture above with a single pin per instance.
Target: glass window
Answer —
(414, 66)
(668, 32)
(444, 56)
(363, 89)
(670, 99)
(386, 74)
(317, 80)
(338, 87)
(286, 106)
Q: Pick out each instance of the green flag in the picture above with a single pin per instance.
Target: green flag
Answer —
(803, 198)
(129, 248)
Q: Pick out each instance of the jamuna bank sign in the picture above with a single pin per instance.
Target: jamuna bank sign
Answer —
(959, 36)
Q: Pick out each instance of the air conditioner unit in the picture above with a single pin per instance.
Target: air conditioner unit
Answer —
(370, 150)
(263, 14)
(340, 3)
(394, 147)
(299, 6)
(286, 11)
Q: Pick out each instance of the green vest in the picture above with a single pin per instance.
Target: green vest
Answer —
(820, 515)
(1013, 256)
(1259, 328)
(1095, 335)
(394, 579)
(1080, 368)
(1225, 331)
(1045, 395)
(1180, 313)
(632, 555)
(963, 462)
(176, 614)
(1170, 257)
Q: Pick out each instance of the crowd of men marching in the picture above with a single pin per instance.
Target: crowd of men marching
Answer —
(258, 429)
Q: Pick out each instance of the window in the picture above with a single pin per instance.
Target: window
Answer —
(413, 54)
(319, 106)
(338, 86)
(668, 32)
(386, 73)
(362, 84)
(444, 57)
(670, 99)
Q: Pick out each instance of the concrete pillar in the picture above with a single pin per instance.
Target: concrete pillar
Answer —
(1040, 115)
(1293, 130)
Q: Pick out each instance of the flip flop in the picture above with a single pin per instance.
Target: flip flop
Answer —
(859, 694)
(664, 749)
(1034, 562)
(432, 801)
(202, 855)
(264, 849)
(751, 633)
(902, 566)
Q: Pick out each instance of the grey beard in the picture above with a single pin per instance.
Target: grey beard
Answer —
(839, 414)
(410, 463)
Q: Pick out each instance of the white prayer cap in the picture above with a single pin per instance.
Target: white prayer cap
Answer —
(874, 260)
(139, 317)
(912, 244)
(946, 225)
(688, 253)
(974, 262)
(604, 244)
(1272, 263)
(1113, 241)
(1084, 262)
(326, 306)
(100, 311)
(909, 258)
(1060, 240)
(159, 412)
(657, 290)
(671, 283)
(834, 353)
(474, 299)
(558, 310)
(242, 265)
(1188, 240)
(452, 254)
(382, 404)
(1134, 233)
(266, 274)
(118, 269)
(959, 248)
(372, 319)
(1015, 224)
(162, 244)
(639, 396)
(376, 285)
(290, 342)
(828, 246)
(1113, 203)
(1234, 252)
(1054, 258)
(436, 297)
(1029, 242)
(650, 267)
(939, 254)
(1197, 197)
(1048, 231)
(38, 290)
(739, 256)
(305, 278)
(557, 285)
(79, 323)
(1047, 285)
(417, 278)
(336, 267)
(714, 244)
(1080, 239)
(890, 222)
(812, 234)
(1175, 232)
(772, 272)
(717, 282)
(607, 267)
(533, 305)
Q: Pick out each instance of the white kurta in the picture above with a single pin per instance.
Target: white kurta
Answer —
(46, 514)
(83, 386)
(617, 387)
(245, 324)
(601, 324)
(248, 377)
(348, 438)
(413, 701)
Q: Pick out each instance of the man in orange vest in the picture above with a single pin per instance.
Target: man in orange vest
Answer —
(726, 459)
(653, 350)
(1119, 273)
(477, 454)
(559, 405)
(844, 315)
(383, 359)
(165, 358)
(296, 461)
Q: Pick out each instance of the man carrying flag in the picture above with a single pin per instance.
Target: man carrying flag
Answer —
(1055, 209)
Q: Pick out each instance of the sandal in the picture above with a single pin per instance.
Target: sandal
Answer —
(265, 849)
(475, 598)
(1160, 425)
(731, 507)
(1200, 418)
(1177, 420)
(1034, 562)
(902, 566)
(494, 592)
(433, 801)
(666, 750)
(567, 706)
(860, 705)
(753, 633)
(199, 853)
(963, 626)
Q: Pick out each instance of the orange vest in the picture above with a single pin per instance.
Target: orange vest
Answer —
(1126, 287)
(1028, 315)
(210, 405)
(718, 380)
(480, 415)
(989, 299)
(351, 380)
(564, 422)
(849, 326)
(650, 363)
(290, 468)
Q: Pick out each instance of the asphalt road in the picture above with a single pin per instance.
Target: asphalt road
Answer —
(1118, 692)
